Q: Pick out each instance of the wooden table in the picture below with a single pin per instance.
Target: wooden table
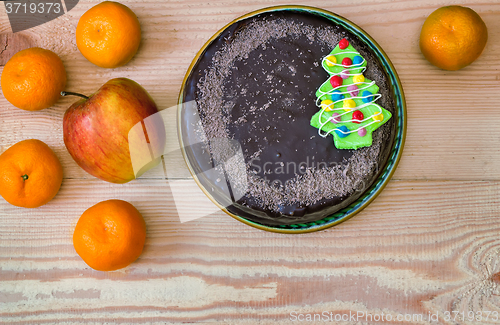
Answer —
(428, 245)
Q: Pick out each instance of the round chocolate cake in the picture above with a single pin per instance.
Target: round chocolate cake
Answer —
(253, 93)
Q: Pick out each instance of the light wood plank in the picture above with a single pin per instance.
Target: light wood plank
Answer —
(428, 244)
(436, 134)
(423, 244)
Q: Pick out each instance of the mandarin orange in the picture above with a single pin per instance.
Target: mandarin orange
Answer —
(108, 34)
(453, 37)
(30, 174)
(33, 79)
(110, 235)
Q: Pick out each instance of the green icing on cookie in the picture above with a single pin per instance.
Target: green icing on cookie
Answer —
(356, 96)
(353, 140)
(325, 91)
(349, 52)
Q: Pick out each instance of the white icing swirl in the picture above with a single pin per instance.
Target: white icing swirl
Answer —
(324, 135)
(357, 66)
(366, 85)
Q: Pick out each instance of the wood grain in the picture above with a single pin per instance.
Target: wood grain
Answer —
(415, 253)
(428, 244)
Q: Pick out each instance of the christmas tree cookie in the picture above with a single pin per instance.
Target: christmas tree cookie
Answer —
(347, 100)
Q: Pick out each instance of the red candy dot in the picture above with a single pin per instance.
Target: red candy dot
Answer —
(357, 117)
(336, 81)
(346, 62)
(343, 43)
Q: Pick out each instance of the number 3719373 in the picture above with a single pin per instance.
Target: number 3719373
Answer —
(32, 8)
(471, 316)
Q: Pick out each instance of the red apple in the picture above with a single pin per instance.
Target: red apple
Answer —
(109, 133)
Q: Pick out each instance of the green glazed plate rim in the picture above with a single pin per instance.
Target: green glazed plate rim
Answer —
(397, 149)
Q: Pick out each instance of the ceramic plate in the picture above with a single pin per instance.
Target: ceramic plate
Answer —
(193, 150)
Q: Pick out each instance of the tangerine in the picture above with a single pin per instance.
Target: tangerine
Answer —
(33, 79)
(453, 37)
(110, 235)
(30, 174)
(108, 34)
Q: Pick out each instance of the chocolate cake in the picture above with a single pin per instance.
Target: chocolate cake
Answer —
(255, 85)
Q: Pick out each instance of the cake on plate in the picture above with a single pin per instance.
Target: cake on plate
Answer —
(310, 107)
